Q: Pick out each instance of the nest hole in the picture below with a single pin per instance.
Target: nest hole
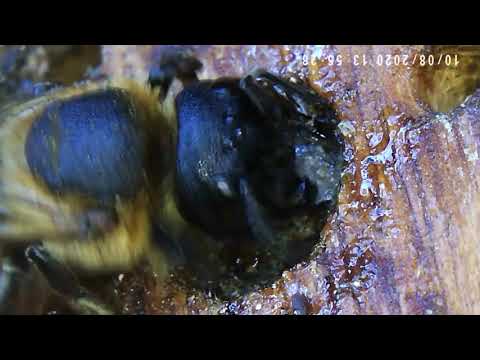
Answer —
(450, 74)
(231, 268)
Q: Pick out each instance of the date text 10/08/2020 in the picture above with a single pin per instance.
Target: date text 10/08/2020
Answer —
(396, 60)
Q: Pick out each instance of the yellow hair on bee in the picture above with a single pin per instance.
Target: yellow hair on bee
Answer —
(36, 213)
(147, 99)
(120, 249)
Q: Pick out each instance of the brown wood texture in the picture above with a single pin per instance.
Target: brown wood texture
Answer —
(404, 239)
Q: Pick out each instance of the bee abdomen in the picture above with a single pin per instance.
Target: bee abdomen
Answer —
(88, 144)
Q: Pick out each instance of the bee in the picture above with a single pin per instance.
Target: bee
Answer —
(32, 287)
(77, 167)
(251, 153)
(22, 288)
(106, 174)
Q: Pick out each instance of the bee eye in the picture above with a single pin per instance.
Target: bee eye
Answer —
(89, 145)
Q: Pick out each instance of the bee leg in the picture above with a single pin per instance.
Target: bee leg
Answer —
(183, 246)
(169, 246)
(165, 254)
(64, 282)
(22, 289)
(295, 98)
(256, 216)
(196, 247)
(277, 164)
(306, 126)
(8, 293)
(175, 64)
(318, 146)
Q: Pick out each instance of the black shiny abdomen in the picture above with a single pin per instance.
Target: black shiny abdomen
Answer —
(88, 144)
(218, 136)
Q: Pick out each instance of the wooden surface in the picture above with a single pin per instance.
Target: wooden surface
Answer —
(405, 237)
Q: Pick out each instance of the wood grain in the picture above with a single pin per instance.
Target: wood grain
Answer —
(405, 237)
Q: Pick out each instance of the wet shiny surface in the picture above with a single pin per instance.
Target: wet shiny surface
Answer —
(404, 238)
